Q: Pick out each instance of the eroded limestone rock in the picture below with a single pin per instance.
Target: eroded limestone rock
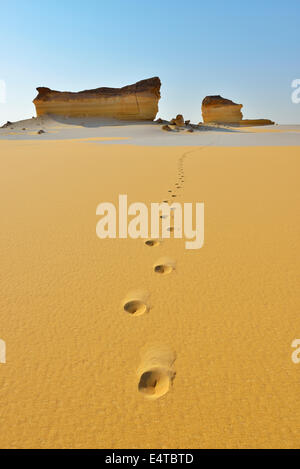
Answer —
(132, 102)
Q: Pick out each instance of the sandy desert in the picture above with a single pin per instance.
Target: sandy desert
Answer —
(104, 351)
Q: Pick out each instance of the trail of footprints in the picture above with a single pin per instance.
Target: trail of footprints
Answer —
(156, 373)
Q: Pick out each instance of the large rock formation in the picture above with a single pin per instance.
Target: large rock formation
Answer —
(132, 102)
(218, 110)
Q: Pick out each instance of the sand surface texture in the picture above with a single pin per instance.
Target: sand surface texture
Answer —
(104, 347)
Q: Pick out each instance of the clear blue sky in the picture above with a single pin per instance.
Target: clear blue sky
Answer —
(245, 51)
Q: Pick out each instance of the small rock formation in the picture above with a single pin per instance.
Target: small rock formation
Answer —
(179, 121)
(251, 122)
(40, 132)
(132, 102)
(218, 110)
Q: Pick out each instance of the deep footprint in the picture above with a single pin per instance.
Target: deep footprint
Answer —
(156, 382)
(156, 373)
(136, 307)
(163, 269)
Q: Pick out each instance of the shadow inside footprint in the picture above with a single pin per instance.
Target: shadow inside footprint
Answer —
(135, 307)
(163, 269)
(156, 382)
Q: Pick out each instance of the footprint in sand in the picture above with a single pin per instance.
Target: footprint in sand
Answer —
(137, 305)
(163, 269)
(156, 372)
(152, 243)
(164, 266)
